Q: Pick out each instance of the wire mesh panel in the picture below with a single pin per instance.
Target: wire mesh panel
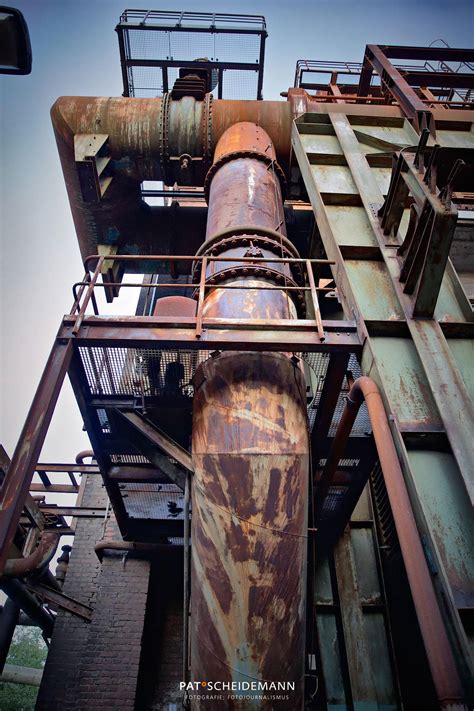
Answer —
(150, 372)
(140, 372)
(154, 44)
(153, 501)
(319, 363)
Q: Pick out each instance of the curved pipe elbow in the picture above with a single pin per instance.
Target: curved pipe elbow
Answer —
(85, 454)
(36, 561)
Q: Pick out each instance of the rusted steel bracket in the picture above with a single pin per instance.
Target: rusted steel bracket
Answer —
(147, 437)
(59, 599)
(399, 88)
(131, 548)
(20, 473)
(92, 156)
(433, 217)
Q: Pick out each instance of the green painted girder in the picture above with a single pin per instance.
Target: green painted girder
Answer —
(422, 373)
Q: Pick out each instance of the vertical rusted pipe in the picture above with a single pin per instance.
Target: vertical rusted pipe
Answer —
(437, 646)
(186, 579)
(250, 449)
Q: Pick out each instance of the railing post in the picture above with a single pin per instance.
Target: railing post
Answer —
(75, 306)
(202, 288)
(88, 296)
(314, 300)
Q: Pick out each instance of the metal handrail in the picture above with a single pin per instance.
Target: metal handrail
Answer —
(178, 18)
(87, 286)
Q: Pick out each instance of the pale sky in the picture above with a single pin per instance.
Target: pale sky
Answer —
(75, 52)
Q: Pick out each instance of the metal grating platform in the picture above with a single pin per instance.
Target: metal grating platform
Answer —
(156, 384)
(145, 372)
(154, 45)
(140, 372)
(153, 501)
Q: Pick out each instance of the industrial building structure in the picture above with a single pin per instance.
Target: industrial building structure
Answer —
(276, 511)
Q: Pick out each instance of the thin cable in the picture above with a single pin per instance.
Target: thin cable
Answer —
(275, 531)
(249, 676)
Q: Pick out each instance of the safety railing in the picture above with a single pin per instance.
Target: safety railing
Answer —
(185, 20)
(84, 291)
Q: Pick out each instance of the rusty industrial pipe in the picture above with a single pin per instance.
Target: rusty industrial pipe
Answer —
(250, 446)
(438, 649)
(143, 139)
(36, 561)
(109, 145)
(138, 547)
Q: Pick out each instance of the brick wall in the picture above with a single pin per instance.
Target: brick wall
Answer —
(109, 670)
(162, 660)
(95, 665)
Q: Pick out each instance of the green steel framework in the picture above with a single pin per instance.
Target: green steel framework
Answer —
(423, 366)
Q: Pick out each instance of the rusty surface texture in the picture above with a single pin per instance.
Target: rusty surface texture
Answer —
(250, 449)
(244, 136)
(250, 453)
(437, 646)
(175, 306)
(36, 561)
(146, 139)
(245, 193)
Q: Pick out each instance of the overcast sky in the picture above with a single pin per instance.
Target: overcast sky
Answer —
(75, 52)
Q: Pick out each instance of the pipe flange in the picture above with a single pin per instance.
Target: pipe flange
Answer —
(247, 240)
(249, 230)
(260, 236)
(207, 131)
(163, 134)
(234, 155)
(260, 272)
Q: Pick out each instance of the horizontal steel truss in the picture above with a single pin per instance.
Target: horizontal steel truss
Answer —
(415, 88)
(130, 332)
(377, 57)
(419, 364)
(425, 249)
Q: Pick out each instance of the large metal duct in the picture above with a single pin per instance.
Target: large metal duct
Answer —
(108, 146)
(250, 447)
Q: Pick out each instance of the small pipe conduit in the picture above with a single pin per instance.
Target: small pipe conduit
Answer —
(438, 649)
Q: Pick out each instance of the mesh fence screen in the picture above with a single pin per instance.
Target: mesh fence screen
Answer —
(146, 41)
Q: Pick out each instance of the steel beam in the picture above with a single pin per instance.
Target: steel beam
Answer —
(412, 360)
(447, 385)
(146, 438)
(134, 333)
(16, 485)
(159, 439)
(410, 102)
(59, 599)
